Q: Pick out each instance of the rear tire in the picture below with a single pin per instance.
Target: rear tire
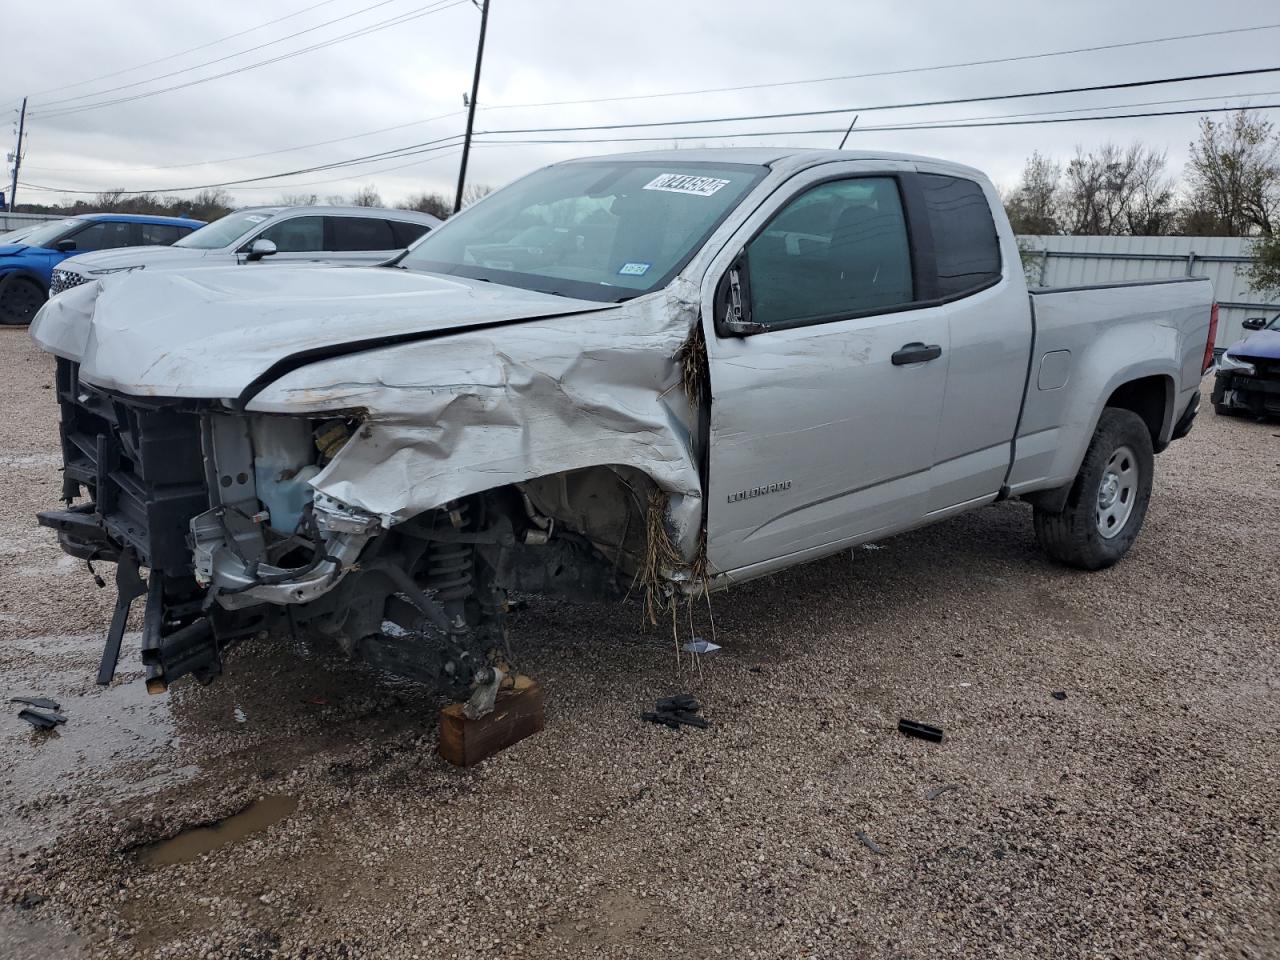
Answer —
(1108, 499)
(20, 299)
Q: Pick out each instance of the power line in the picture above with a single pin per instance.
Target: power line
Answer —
(387, 154)
(1127, 85)
(183, 53)
(249, 156)
(222, 59)
(437, 7)
(906, 125)
(442, 144)
(885, 73)
(884, 127)
(445, 153)
(397, 153)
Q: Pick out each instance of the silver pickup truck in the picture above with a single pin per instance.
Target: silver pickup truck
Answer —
(672, 371)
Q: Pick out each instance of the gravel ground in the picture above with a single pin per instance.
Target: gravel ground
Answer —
(1137, 817)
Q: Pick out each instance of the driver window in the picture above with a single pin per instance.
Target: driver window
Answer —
(836, 250)
(295, 235)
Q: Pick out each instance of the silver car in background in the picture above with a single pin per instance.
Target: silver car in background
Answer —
(351, 235)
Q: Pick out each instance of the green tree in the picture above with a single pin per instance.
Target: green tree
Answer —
(1032, 205)
(1233, 177)
(1263, 273)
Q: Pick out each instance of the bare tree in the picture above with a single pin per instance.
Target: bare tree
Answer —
(1033, 204)
(210, 204)
(108, 199)
(1233, 177)
(474, 192)
(1153, 208)
(436, 204)
(1111, 190)
(366, 197)
(298, 200)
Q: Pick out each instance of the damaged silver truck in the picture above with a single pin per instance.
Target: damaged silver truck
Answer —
(673, 371)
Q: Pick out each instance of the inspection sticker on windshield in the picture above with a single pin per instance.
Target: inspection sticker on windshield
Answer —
(634, 269)
(683, 183)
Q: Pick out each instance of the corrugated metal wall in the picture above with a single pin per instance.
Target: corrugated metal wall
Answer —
(1067, 261)
(12, 221)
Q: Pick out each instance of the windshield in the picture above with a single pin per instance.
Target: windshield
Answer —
(604, 230)
(50, 233)
(224, 232)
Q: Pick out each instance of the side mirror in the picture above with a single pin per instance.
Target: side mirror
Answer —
(259, 249)
(1255, 323)
(731, 312)
(65, 246)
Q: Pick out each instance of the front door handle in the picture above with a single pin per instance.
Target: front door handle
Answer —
(916, 353)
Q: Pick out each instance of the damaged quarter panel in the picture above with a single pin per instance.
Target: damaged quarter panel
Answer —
(461, 413)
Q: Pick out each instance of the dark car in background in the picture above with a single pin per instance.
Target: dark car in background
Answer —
(1248, 377)
(26, 266)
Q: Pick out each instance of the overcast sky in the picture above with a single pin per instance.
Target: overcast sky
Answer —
(554, 50)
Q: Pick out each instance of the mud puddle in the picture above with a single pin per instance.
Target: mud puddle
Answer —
(197, 841)
(113, 745)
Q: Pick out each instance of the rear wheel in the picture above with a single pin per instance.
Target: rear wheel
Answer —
(20, 299)
(1108, 499)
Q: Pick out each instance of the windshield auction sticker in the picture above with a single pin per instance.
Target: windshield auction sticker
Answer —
(682, 183)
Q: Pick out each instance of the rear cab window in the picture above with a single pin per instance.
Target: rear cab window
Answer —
(965, 243)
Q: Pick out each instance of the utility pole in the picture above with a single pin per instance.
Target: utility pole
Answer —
(17, 157)
(471, 107)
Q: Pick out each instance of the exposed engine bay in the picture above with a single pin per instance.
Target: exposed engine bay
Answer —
(218, 506)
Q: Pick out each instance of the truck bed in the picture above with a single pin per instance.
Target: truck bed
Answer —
(1078, 333)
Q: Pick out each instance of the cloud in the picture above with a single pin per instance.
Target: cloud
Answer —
(556, 50)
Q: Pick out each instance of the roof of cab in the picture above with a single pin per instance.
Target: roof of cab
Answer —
(794, 157)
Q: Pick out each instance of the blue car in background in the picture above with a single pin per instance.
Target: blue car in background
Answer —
(1248, 377)
(26, 266)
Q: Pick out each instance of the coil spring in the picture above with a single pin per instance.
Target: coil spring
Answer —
(450, 565)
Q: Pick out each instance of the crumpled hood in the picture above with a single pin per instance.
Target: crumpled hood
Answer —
(211, 332)
(132, 257)
(1263, 344)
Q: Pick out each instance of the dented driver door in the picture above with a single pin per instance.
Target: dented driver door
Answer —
(827, 372)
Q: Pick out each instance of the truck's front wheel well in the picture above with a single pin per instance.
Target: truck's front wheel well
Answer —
(1149, 398)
